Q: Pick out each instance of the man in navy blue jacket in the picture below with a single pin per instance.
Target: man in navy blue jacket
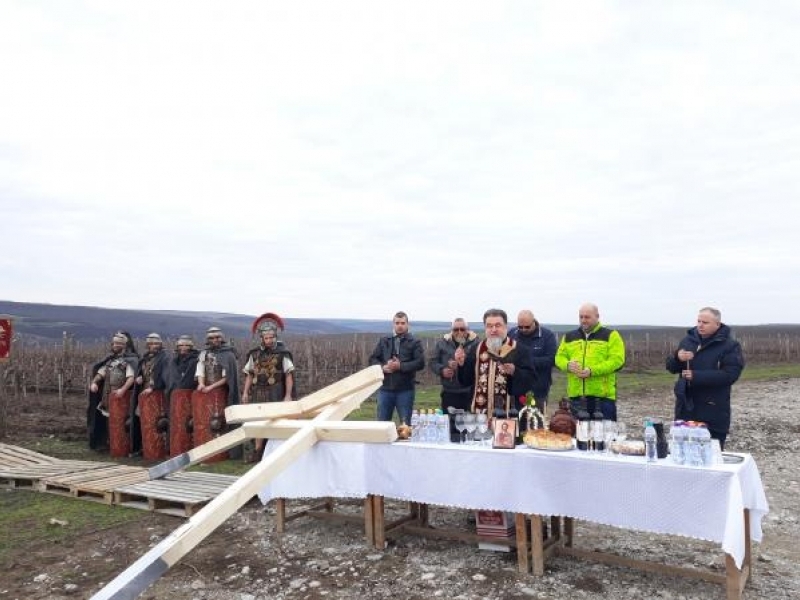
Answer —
(400, 355)
(536, 347)
(709, 362)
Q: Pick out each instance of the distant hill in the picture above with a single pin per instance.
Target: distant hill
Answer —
(91, 323)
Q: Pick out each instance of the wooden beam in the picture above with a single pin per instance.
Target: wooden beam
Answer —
(365, 378)
(144, 572)
(333, 431)
(198, 454)
(362, 383)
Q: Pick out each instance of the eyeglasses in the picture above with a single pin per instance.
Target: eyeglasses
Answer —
(459, 328)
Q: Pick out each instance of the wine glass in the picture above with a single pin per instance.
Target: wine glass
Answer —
(470, 423)
(482, 420)
(460, 426)
(622, 432)
(609, 435)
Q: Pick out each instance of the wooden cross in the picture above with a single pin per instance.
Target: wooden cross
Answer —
(274, 420)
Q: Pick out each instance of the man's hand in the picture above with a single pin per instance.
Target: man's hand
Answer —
(94, 387)
(392, 366)
(575, 367)
(508, 369)
(459, 356)
(448, 373)
(147, 391)
(685, 355)
(687, 374)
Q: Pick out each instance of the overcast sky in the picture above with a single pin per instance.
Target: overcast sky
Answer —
(351, 159)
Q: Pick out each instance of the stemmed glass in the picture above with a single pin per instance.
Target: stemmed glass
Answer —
(622, 432)
(609, 435)
(460, 426)
(470, 422)
(482, 420)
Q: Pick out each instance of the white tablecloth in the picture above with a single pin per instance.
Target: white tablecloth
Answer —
(623, 491)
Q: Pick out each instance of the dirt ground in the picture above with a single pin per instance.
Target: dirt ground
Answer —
(246, 560)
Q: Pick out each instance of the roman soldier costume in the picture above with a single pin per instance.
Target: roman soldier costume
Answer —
(268, 365)
(269, 373)
(151, 401)
(217, 363)
(109, 414)
(181, 384)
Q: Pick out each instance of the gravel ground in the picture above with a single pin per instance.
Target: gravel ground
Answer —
(246, 560)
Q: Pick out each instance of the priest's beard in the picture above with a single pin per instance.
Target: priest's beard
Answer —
(494, 344)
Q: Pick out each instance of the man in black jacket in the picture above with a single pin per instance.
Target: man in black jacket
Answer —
(536, 347)
(709, 362)
(401, 356)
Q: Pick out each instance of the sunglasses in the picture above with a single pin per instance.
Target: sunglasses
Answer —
(459, 328)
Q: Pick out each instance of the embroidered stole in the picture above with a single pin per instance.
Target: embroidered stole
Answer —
(491, 386)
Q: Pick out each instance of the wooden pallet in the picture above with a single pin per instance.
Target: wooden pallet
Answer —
(96, 484)
(179, 494)
(29, 476)
(15, 456)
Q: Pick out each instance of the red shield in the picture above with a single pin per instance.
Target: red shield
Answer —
(208, 414)
(180, 422)
(119, 432)
(6, 334)
(155, 425)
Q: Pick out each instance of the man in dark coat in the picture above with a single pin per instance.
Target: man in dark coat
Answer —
(709, 361)
(536, 347)
(400, 355)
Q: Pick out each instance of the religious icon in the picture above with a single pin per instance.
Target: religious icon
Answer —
(505, 434)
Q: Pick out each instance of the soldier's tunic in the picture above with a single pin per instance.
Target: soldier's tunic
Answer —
(268, 367)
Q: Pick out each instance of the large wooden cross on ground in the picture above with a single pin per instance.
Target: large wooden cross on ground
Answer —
(278, 420)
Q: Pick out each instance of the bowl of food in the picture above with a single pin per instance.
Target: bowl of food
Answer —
(544, 439)
(628, 447)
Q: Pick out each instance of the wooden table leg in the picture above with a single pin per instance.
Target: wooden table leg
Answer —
(555, 527)
(379, 524)
(736, 578)
(748, 556)
(522, 543)
(369, 520)
(280, 515)
(569, 530)
(537, 545)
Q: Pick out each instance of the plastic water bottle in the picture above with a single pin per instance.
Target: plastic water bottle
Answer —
(691, 452)
(705, 453)
(678, 443)
(424, 427)
(414, 425)
(650, 442)
(442, 427)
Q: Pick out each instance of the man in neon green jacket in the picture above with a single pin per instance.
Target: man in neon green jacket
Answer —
(591, 356)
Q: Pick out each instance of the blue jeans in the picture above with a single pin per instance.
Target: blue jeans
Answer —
(402, 400)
